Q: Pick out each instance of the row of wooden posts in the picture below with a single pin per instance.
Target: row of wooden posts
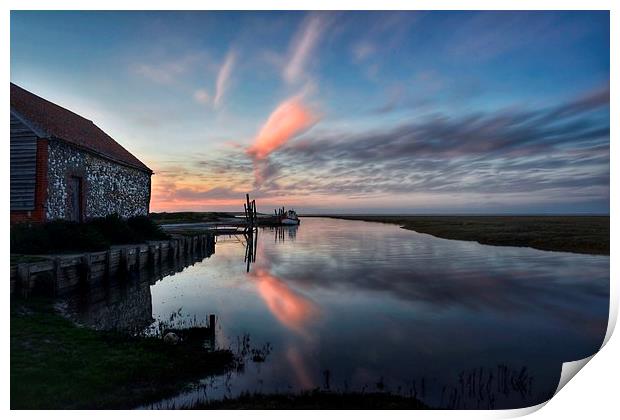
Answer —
(62, 273)
(250, 231)
(251, 219)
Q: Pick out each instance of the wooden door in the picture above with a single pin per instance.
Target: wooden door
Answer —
(75, 188)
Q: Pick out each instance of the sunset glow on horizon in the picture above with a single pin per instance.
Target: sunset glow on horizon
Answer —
(325, 112)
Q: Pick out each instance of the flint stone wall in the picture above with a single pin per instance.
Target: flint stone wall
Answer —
(108, 187)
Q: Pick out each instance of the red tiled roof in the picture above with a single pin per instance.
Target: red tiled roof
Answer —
(61, 123)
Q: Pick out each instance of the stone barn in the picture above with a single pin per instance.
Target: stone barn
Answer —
(65, 167)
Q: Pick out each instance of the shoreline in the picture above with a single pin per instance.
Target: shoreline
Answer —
(576, 234)
(57, 364)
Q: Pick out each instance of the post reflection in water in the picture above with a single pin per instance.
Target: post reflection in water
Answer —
(290, 308)
(377, 308)
(282, 233)
(251, 241)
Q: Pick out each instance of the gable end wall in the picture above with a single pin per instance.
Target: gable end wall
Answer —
(108, 187)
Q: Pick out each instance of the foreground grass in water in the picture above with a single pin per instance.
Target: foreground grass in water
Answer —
(58, 365)
(581, 234)
(314, 400)
(55, 364)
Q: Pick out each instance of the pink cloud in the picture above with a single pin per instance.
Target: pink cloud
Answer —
(287, 121)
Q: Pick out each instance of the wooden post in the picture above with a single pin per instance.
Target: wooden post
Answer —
(23, 271)
(86, 266)
(138, 258)
(108, 265)
(152, 256)
(57, 274)
(254, 247)
(249, 211)
(212, 327)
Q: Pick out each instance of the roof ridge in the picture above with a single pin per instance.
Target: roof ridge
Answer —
(64, 124)
(52, 103)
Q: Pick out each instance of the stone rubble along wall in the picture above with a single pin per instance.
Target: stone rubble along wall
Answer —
(108, 186)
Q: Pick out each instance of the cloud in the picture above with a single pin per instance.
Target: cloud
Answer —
(202, 96)
(363, 50)
(223, 78)
(586, 102)
(288, 120)
(554, 158)
(302, 47)
(217, 193)
(500, 134)
(177, 70)
(498, 33)
(169, 70)
(386, 32)
(558, 153)
(159, 74)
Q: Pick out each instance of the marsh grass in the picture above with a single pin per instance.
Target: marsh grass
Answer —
(315, 399)
(580, 234)
(56, 364)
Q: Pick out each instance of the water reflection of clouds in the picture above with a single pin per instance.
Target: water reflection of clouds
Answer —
(447, 275)
(293, 310)
(290, 308)
(503, 293)
(370, 301)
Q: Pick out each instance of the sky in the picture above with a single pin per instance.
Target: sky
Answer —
(340, 112)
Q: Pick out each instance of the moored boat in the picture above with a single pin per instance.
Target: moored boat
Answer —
(288, 217)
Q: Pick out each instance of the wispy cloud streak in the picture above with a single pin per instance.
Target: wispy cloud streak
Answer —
(303, 46)
(223, 78)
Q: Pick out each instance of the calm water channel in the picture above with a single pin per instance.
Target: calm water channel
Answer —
(358, 306)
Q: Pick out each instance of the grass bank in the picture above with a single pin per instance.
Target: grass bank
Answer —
(581, 234)
(317, 400)
(57, 365)
(189, 217)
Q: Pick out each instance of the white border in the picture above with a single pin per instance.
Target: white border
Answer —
(593, 394)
